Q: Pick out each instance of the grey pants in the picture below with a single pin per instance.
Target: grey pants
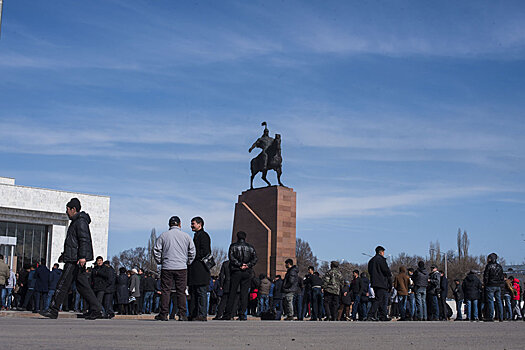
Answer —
(288, 304)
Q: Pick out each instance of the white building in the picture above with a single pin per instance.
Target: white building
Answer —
(33, 222)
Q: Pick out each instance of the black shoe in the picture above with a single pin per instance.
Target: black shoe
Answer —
(84, 315)
(160, 317)
(200, 318)
(289, 318)
(372, 319)
(183, 318)
(94, 316)
(216, 318)
(226, 318)
(49, 314)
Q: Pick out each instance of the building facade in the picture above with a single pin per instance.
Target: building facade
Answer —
(33, 223)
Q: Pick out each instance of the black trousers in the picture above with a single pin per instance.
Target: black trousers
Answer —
(244, 279)
(379, 304)
(198, 301)
(108, 304)
(331, 304)
(71, 272)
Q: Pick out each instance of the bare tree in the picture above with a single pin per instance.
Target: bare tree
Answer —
(305, 257)
(220, 255)
(460, 253)
(133, 258)
(465, 243)
(152, 265)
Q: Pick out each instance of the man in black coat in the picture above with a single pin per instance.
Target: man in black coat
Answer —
(242, 258)
(457, 290)
(290, 288)
(99, 278)
(111, 288)
(199, 275)
(493, 280)
(472, 291)
(381, 281)
(443, 291)
(41, 287)
(78, 249)
(224, 288)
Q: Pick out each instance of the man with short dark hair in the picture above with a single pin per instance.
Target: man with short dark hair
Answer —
(457, 290)
(493, 280)
(434, 282)
(54, 276)
(198, 273)
(41, 286)
(174, 251)
(99, 278)
(78, 249)
(242, 257)
(420, 279)
(356, 297)
(290, 287)
(381, 281)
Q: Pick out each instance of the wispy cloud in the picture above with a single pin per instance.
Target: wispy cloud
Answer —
(329, 204)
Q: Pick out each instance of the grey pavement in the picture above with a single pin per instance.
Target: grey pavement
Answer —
(39, 333)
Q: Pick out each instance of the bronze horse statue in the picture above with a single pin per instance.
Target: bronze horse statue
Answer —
(269, 159)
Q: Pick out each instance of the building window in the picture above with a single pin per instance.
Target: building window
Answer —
(31, 242)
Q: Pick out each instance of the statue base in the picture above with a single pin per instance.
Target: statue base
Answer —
(268, 216)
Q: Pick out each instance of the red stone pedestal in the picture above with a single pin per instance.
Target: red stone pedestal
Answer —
(267, 215)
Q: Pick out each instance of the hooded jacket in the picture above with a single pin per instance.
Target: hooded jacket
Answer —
(78, 243)
(472, 287)
(402, 282)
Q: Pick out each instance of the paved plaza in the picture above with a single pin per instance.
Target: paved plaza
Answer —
(67, 333)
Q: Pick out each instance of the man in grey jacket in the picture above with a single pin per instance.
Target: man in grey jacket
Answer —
(174, 250)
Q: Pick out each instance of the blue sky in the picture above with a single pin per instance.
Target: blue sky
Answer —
(401, 121)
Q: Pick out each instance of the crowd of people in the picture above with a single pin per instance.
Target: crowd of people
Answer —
(185, 289)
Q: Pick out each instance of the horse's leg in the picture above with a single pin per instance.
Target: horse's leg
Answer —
(279, 172)
(251, 181)
(264, 177)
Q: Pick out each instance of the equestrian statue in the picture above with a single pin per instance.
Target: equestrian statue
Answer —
(269, 158)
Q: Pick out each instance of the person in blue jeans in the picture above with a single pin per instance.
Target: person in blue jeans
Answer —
(472, 293)
(411, 297)
(492, 280)
(508, 293)
(420, 279)
(54, 276)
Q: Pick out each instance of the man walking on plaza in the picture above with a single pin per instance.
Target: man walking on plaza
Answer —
(174, 251)
(78, 249)
(493, 280)
(199, 275)
(381, 281)
(242, 257)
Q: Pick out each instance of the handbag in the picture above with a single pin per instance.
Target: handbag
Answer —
(209, 262)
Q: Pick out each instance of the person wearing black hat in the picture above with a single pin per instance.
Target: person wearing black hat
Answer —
(78, 249)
